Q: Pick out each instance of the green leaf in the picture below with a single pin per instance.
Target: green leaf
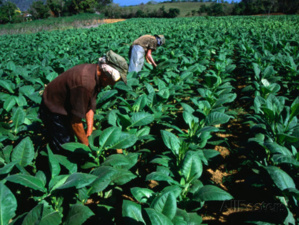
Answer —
(125, 140)
(215, 118)
(57, 182)
(11, 66)
(123, 176)
(257, 70)
(78, 214)
(8, 204)
(192, 166)
(157, 218)
(171, 141)
(121, 161)
(78, 180)
(76, 147)
(194, 219)
(72, 167)
(142, 194)
(105, 95)
(9, 103)
(211, 193)
(8, 85)
(105, 176)
(18, 118)
(42, 214)
(141, 119)
(158, 176)
(7, 168)
(109, 136)
(281, 179)
(23, 153)
(131, 213)
(294, 109)
(53, 163)
(165, 204)
(27, 181)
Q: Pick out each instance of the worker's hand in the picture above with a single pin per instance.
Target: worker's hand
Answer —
(148, 61)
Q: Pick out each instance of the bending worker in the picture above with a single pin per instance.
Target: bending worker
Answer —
(71, 96)
(143, 46)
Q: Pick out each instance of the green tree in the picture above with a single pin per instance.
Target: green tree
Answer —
(56, 6)
(8, 11)
(203, 9)
(215, 9)
(39, 10)
(173, 12)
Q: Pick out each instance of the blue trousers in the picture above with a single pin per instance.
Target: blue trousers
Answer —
(136, 59)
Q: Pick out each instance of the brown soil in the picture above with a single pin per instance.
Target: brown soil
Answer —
(97, 23)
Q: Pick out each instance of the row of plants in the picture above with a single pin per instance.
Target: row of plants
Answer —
(272, 90)
(164, 121)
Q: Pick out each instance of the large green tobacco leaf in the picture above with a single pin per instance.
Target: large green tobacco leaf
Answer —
(104, 178)
(140, 103)
(72, 167)
(281, 179)
(215, 118)
(76, 147)
(142, 194)
(8, 204)
(42, 214)
(53, 163)
(27, 181)
(141, 119)
(123, 176)
(121, 161)
(78, 180)
(158, 176)
(57, 181)
(8, 85)
(109, 136)
(192, 166)
(125, 140)
(23, 152)
(190, 218)
(9, 103)
(194, 219)
(7, 168)
(178, 220)
(105, 95)
(18, 119)
(165, 204)
(295, 108)
(132, 213)
(211, 193)
(78, 214)
(157, 218)
(171, 141)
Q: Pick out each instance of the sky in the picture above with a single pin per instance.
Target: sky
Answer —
(138, 2)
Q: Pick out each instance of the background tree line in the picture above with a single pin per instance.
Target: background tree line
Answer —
(40, 9)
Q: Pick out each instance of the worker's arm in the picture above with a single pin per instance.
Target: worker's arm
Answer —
(89, 122)
(149, 58)
(78, 128)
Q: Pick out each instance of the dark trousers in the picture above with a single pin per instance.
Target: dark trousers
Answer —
(58, 128)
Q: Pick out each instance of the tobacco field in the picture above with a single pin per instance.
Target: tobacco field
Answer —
(223, 85)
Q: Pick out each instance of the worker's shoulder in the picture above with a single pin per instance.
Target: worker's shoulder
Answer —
(84, 66)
